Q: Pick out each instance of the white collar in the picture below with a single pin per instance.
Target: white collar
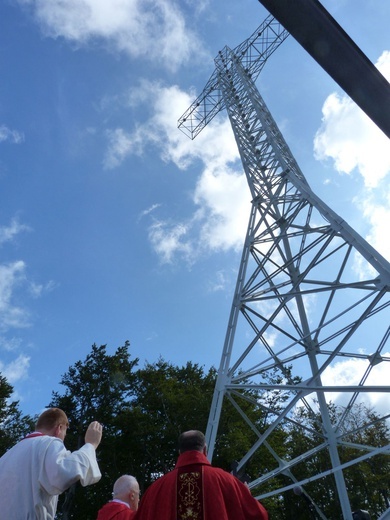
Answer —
(120, 502)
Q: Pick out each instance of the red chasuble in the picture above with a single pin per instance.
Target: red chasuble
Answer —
(115, 511)
(195, 490)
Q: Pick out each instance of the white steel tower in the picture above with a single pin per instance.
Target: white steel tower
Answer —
(310, 292)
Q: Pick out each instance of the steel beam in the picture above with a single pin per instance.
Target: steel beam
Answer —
(327, 42)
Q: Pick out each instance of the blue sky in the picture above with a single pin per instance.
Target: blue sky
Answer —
(114, 225)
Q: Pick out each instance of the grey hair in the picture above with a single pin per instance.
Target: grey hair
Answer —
(124, 484)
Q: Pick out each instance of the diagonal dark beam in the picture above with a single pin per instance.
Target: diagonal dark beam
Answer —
(327, 42)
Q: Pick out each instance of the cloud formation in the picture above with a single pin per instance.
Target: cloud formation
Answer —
(352, 140)
(16, 370)
(377, 212)
(357, 146)
(349, 138)
(12, 136)
(221, 195)
(7, 233)
(349, 373)
(154, 30)
(11, 276)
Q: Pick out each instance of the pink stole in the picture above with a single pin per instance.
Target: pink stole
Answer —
(32, 435)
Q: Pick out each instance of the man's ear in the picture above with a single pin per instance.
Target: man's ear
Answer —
(57, 431)
(205, 450)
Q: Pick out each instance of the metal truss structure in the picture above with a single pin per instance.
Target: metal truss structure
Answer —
(310, 293)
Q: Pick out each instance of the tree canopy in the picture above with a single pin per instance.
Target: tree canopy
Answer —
(13, 425)
(144, 410)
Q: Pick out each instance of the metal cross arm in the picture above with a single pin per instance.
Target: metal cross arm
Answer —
(252, 53)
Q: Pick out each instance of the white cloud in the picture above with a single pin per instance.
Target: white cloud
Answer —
(377, 214)
(38, 289)
(13, 136)
(219, 281)
(15, 370)
(169, 240)
(350, 372)
(356, 145)
(12, 280)
(221, 186)
(121, 144)
(11, 316)
(148, 211)
(383, 64)
(166, 105)
(351, 139)
(375, 209)
(149, 29)
(7, 233)
(10, 344)
(225, 197)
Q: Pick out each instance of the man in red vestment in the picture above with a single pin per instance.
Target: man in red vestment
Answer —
(125, 500)
(195, 490)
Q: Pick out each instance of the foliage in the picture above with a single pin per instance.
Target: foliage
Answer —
(369, 479)
(169, 400)
(100, 388)
(13, 425)
(144, 410)
(366, 482)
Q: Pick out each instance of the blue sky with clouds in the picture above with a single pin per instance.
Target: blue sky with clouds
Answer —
(114, 225)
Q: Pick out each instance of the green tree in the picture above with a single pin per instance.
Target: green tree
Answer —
(99, 388)
(13, 425)
(143, 412)
(172, 399)
(367, 482)
(234, 438)
(169, 400)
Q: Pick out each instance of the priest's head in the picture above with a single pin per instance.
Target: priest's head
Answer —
(126, 489)
(53, 422)
(192, 440)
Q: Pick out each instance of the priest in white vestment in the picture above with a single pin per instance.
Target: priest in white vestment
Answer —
(39, 468)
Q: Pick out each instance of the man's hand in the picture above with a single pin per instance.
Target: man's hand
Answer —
(93, 434)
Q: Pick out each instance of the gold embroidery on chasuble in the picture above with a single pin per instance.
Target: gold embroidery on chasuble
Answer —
(190, 496)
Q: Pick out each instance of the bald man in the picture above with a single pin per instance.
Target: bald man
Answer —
(125, 500)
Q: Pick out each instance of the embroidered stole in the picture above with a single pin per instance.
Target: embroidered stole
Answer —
(32, 435)
(189, 492)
